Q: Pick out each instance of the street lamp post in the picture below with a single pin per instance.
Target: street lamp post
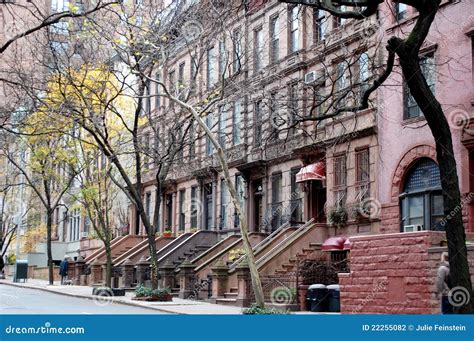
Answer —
(19, 219)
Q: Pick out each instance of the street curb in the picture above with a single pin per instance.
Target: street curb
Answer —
(86, 297)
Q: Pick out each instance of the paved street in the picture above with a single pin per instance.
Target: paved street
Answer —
(15, 300)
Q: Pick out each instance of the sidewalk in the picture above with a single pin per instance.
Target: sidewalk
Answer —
(178, 306)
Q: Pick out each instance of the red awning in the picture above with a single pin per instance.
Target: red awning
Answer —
(316, 171)
(334, 244)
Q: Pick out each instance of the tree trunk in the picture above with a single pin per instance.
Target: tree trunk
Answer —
(256, 282)
(2, 263)
(49, 225)
(108, 265)
(151, 244)
(455, 232)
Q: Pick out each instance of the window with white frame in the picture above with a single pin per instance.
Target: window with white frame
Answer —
(400, 11)
(274, 39)
(225, 202)
(222, 58)
(258, 49)
(422, 200)
(294, 28)
(319, 25)
(364, 73)
(258, 126)
(211, 68)
(221, 126)
(237, 53)
(237, 122)
(210, 125)
(428, 68)
(340, 180)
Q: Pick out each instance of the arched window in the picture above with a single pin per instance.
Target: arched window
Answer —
(421, 202)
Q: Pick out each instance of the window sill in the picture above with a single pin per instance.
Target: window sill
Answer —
(410, 121)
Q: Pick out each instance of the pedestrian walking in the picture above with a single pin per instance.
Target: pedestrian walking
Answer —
(63, 268)
(443, 285)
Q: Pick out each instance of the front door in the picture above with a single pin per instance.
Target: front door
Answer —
(208, 209)
(258, 205)
(317, 201)
(169, 212)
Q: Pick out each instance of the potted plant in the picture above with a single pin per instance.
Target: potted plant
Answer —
(167, 233)
(236, 254)
(338, 217)
(360, 212)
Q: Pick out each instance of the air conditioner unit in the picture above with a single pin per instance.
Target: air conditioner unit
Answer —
(413, 228)
(315, 77)
(84, 234)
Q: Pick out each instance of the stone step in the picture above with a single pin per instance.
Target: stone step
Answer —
(202, 247)
(227, 301)
(231, 295)
(280, 272)
(233, 290)
(316, 246)
(287, 266)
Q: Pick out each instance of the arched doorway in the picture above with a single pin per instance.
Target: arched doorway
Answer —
(421, 203)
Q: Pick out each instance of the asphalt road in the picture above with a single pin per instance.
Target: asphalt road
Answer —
(14, 300)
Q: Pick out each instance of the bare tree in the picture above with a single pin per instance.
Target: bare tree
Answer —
(45, 161)
(42, 18)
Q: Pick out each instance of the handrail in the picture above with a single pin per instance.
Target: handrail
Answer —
(113, 246)
(102, 248)
(267, 241)
(178, 241)
(214, 247)
(285, 243)
(298, 231)
(137, 248)
(184, 242)
(227, 249)
(270, 237)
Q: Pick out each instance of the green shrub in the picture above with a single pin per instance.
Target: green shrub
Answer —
(160, 292)
(338, 217)
(142, 291)
(256, 310)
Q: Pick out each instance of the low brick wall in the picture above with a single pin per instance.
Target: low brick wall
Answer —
(393, 274)
(43, 273)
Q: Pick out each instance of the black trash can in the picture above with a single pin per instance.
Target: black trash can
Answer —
(21, 270)
(334, 298)
(318, 298)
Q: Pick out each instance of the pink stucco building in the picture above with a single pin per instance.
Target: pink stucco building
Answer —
(404, 264)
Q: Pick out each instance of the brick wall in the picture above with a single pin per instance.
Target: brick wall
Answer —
(43, 273)
(393, 274)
